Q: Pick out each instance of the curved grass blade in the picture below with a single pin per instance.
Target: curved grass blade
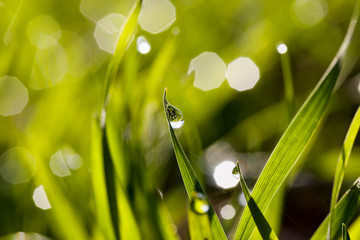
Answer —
(262, 224)
(199, 225)
(343, 213)
(343, 161)
(295, 139)
(191, 182)
(345, 234)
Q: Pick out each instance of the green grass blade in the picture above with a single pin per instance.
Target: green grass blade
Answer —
(191, 182)
(99, 181)
(294, 140)
(343, 161)
(345, 234)
(343, 213)
(262, 224)
(199, 225)
(354, 229)
(126, 34)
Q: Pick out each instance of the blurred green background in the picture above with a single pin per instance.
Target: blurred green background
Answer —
(53, 60)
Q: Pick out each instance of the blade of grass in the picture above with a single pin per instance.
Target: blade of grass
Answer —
(199, 225)
(260, 221)
(343, 213)
(343, 161)
(345, 234)
(295, 139)
(191, 182)
(354, 229)
(99, 181)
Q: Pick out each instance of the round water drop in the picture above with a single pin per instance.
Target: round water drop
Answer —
(175, 117)
(198, 203)
(236, 172)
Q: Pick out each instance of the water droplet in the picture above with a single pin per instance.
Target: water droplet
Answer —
(198, 203)
(173, 114)
(236, 172)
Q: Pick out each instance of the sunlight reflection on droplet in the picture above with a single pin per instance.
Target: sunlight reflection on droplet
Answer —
(308, 13)
(58, 165)
(223, 175)
(142, 45)
(281, 48)
(17, 165)
(49, 68)
(227, 212)
(40, 198)
(209, 71)
(107, 32)
(242, 200)
(242, 74)
(156, 16)
(43, 32)
(13, 96)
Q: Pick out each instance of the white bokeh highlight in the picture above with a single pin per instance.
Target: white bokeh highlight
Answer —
(107, 32)
(17, 165)
(242, 74)
(13, 96)
(58, 165)
(227, 212)
(281, 48)
(142, 45)
(43, 32)
(209, 71)
(156, 16)
(40, 198)
(308, 13)
(223, 175)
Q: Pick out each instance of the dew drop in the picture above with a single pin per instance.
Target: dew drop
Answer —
(173, 114)
(236, 172)
(199, 204)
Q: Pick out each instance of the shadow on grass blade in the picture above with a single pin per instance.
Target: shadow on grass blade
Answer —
(295, 139)
(262, 224)
(345, 234)
(188, 175)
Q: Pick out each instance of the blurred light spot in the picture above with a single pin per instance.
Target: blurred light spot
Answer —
(227, 212)
(78, 55)
(242, 200)
(49, 68)
(175, 31)
(308, 13)
(217, 153)
(25, 236)
(17, 165)
(156, 16)
(107, 32)
(281, 48)
(209, 71)
(40, 198)
(242, 74)
(142, 45)
(73, 161)
(223, 175)
(173, 229)
(58, 165)
(13, 96)
(43, 32)
(160, 193)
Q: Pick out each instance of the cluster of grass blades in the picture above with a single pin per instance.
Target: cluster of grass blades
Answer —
(284, 157)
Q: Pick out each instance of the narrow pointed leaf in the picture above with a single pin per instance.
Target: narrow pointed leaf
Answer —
(191, 182)
(345, 234)
(343, 213)
(262, 224)
(343, 161)
(295, 139)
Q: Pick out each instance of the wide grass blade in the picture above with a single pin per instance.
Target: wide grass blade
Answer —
(190, 179)
(262, 224)
(345, 234)
(99, 181)
(295, 139)
(343, 213)
(343, 161)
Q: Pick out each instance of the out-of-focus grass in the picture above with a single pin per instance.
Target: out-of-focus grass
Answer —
(59, 117)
